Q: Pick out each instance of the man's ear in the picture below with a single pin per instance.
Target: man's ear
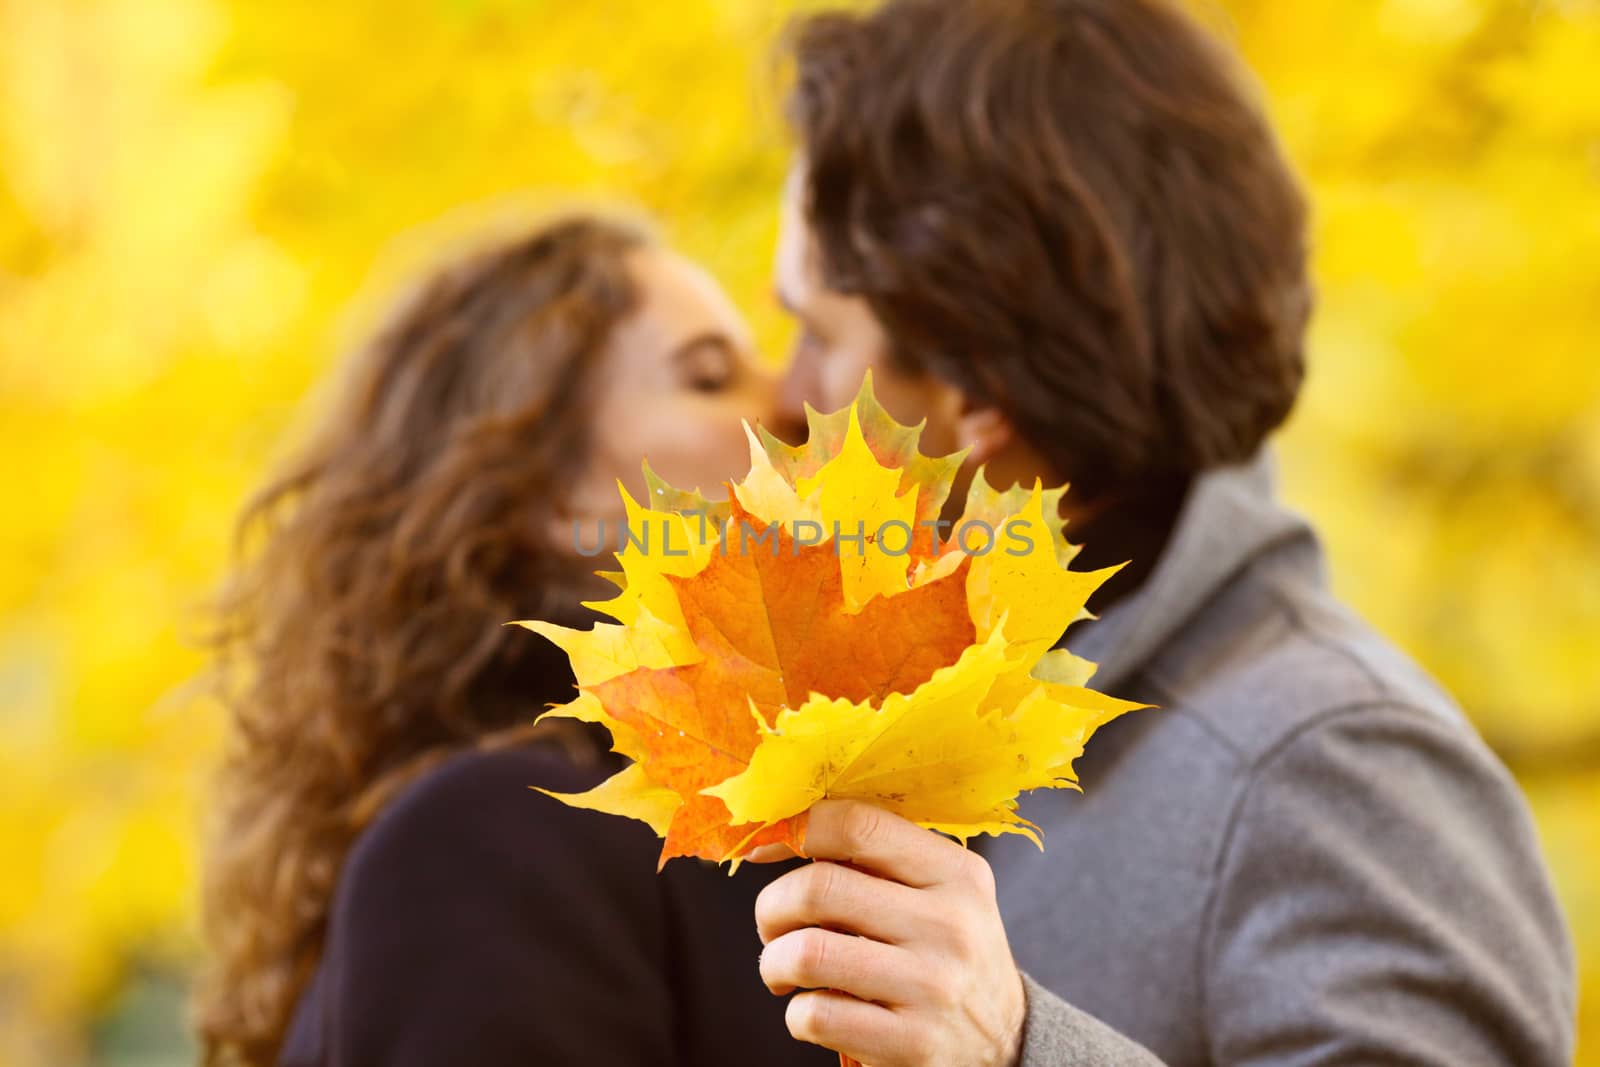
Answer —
(987, 430)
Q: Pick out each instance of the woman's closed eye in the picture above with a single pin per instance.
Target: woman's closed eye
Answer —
(707, 364)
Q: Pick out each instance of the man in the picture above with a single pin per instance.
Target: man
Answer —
(1059, 231)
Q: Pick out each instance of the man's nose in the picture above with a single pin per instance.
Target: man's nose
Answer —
(794, 389)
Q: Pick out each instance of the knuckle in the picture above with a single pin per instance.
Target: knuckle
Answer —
(979, 875)
(863, 827)
(942, 988)
(932, 989)
(812, 955)
(961, 939)
(822, 883)
(949, 927)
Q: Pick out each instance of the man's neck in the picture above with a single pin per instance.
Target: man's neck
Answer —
(1131, 525)
(1127, 525)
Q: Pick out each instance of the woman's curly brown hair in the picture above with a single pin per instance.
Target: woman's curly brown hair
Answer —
(360, 640)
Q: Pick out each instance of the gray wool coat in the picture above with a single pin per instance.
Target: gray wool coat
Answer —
(1305, 856)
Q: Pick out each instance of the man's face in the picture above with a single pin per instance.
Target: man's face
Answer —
(838, 339)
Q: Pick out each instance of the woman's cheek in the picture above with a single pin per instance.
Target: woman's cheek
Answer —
(725, 457)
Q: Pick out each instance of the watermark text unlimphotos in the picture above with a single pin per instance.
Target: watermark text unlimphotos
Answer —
(975, 537)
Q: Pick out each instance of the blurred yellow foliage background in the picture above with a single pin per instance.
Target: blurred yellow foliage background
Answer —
(203, 201)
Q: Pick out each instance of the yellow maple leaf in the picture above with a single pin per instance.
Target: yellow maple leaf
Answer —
(952, 754)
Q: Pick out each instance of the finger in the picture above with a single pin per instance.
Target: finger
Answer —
(882, 842)
(869, 1033)
(840, 898)
(814, 958)
(773, 853)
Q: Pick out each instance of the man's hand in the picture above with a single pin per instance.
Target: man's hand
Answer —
(896, 933)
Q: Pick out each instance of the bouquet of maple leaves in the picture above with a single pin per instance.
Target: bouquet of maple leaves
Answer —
(815, 636)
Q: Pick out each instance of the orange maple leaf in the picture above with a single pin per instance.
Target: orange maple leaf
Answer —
(773, 630)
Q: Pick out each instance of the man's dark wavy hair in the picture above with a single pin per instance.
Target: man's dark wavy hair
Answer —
(1070, 209)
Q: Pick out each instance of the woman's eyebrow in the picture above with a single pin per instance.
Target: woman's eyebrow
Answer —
(704, 339)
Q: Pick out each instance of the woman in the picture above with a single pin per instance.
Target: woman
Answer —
(384, 887)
